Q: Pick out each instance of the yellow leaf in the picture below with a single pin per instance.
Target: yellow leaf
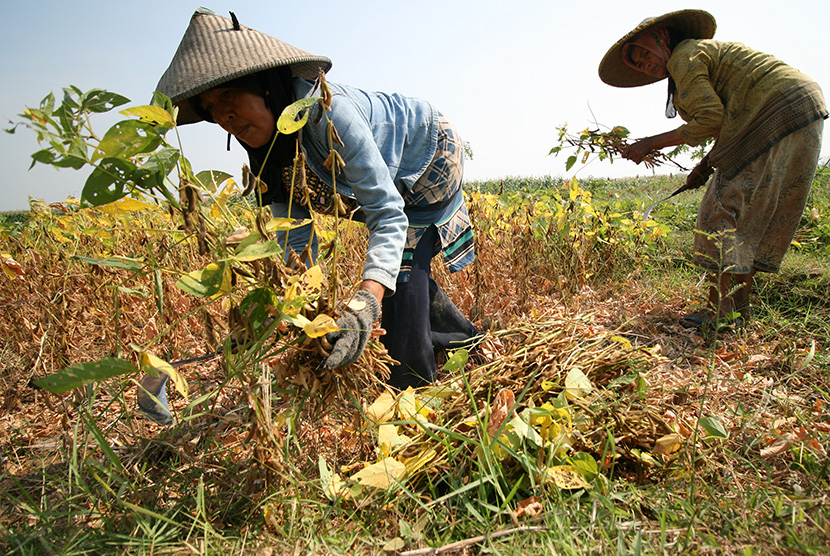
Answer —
(283, 224)
(547, 385)
(337, 488)
(320, 326)
(408, 406)
(310, 284)
(151, 114)
(625, 342)
(382, 409)
(299, 321)
(57, 233)
(566, 477)
(132, 205)
(667, 444)
(577, 384)
(382, 474)
(419, 460)
(389, 438)
(11, 267)
(645, 457)
(573, 191)
(150, 361)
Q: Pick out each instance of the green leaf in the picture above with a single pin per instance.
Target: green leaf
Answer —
(73, 157)
(107, 182)
(44, 156)
(585, 463)
(287, 122)
(130, 291)
(156, 167)
(212, 179)
(126, 139)
(325, 472)
(98, 100)
(519, 432)
(108, 179)
(571, 161)
(713, 426)
(123, 263)
(85, 373)
(163, 101)
(209, 282)
(258, 251)
(457, 361)
(255, 306)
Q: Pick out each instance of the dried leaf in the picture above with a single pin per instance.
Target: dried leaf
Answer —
(502, 407)
(382, 409)
(11, 268)
(382, 474)
(780, 446)
(667, 444)
(530, 507)
(389, 439)
(577, 384)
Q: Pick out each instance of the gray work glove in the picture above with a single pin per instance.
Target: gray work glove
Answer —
(355, 328)
(152, 399)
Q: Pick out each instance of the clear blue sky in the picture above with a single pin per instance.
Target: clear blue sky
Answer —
(506, 73)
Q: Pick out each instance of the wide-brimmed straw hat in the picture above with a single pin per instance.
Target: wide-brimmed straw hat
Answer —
(215, 50)
(687, 24)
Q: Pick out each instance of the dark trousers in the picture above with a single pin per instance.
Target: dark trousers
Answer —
(420, 320)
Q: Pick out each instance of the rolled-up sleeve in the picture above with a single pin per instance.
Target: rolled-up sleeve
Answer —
(368, 177)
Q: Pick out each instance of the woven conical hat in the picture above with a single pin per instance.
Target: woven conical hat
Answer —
(215, 50)
(687, 24)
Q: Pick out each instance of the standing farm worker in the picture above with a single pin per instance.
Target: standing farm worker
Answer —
(767, 119)
(401, 170)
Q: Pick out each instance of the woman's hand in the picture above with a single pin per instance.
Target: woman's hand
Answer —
(355, 325)
(638, 151)
(699, 175)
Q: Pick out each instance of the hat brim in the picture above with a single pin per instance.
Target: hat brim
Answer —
(215, 50)
(688, 24)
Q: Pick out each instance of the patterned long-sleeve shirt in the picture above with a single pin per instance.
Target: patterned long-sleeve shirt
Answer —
(747, 99)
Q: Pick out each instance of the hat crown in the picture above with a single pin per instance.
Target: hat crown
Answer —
(215, 50)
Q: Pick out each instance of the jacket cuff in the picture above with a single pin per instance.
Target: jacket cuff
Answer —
(382, 277)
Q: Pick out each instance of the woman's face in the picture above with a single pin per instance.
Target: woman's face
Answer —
(647, 62)
(241, 112)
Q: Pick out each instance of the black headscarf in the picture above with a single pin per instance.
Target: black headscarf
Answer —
(275, 86)
(674, 39)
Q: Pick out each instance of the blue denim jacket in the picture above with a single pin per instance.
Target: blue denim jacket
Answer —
(389, 142)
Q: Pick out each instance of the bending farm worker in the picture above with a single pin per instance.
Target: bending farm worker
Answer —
(401, 176)
(767, 119)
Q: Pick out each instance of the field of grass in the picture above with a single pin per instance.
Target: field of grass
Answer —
(591, 423)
